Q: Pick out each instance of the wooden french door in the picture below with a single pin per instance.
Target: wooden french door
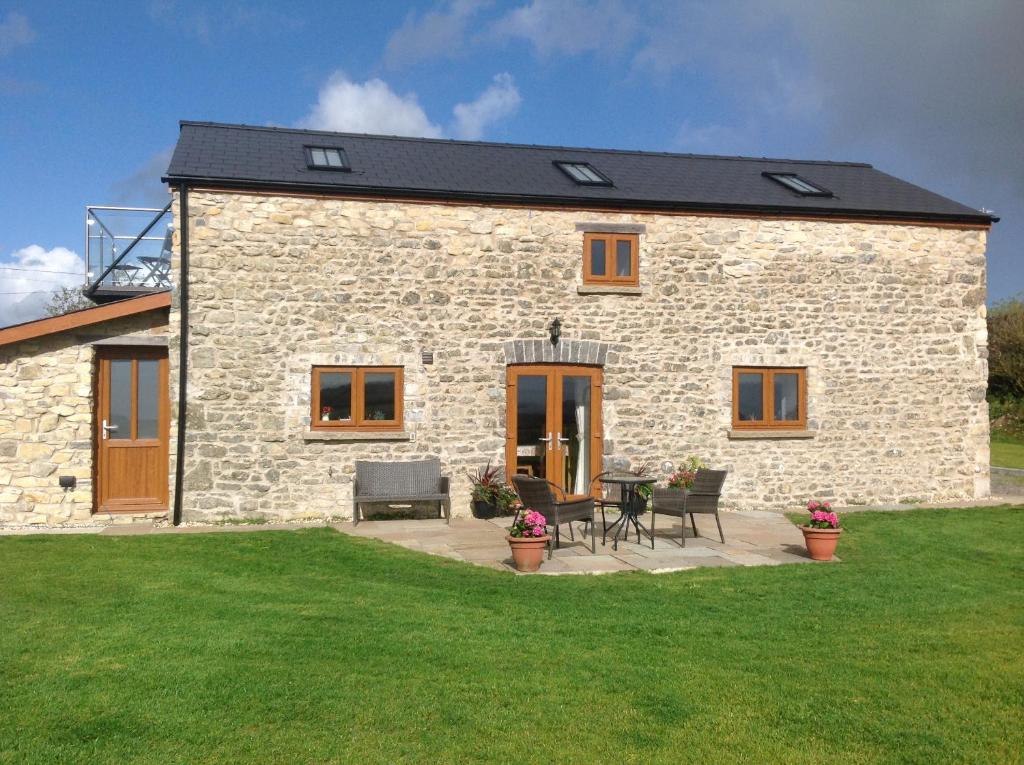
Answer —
(554, 427)
(132, 430)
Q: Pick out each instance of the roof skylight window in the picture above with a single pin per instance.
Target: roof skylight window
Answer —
(801, 186)
(583, 173)
(326, 158)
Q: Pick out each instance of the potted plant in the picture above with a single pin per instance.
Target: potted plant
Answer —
(686, 473)
(643, 490)
(528, 540)
(674, 494)
(491, 495)
(821, 534)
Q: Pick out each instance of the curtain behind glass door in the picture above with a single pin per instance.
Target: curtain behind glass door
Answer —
(575, 434)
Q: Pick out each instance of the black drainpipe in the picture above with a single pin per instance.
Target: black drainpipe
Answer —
(179, 468)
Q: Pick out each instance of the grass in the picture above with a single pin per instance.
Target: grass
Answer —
(314, 647)
(1007, 451)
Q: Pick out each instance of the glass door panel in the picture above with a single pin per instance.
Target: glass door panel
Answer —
(118, 425)
(532, 434)
(574, 434)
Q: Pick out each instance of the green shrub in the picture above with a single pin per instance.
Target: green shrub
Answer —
(1006, 416)
(1006, 349)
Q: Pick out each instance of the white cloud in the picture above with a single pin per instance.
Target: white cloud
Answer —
(33, 274)
(15, 31)
(500, 100)
(368, 107)
(373, 107)
(569, 27)
(440, 32)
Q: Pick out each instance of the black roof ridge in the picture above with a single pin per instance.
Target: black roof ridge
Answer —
(457, 141)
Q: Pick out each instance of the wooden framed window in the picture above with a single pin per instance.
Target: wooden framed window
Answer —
(357, 398)
(611, 259)
(768, 397)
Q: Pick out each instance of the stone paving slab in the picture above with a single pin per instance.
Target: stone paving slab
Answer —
(786, 557)
(656, 564)
(596, 563)
(751, 559)
(713, 561)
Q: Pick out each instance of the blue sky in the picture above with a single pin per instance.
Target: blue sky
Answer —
(91, 93)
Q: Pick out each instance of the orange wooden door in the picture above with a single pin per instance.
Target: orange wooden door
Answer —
(132, 430)
(554, 427)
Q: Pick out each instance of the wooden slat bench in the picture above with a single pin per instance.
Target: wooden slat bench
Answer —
(392, 482)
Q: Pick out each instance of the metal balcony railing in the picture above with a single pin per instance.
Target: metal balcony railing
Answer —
(127, 250)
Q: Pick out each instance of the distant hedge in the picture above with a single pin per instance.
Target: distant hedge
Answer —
(1006, 349)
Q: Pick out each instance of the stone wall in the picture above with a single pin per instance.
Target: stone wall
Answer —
(46, 421)
(888, 319)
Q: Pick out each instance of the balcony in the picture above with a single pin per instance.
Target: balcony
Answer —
(127, 251)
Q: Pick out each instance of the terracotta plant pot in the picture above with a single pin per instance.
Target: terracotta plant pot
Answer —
(821, 543)
(528, 552)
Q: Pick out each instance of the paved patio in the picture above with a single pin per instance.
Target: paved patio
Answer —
(752, 539)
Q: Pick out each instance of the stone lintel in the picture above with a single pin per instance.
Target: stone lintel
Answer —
(149, 341)
(612, 228)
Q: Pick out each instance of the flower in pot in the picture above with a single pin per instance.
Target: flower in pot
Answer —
(527, 538)
(674, 493)
(686, 473)
(821, 534)
(491, 495)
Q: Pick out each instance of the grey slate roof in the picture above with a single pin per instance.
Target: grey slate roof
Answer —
(241, 156)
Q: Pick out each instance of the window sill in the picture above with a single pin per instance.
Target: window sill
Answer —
(608, 289)
(357, 435)
(769, 434)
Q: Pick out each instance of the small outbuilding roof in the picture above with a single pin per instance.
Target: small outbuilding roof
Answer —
(84, 317)
(249, 157)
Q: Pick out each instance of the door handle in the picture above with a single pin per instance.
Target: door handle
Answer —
(563, 440)
(546, 440)
(107, 429)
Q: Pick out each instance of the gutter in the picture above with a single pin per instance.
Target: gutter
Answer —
(179, 467)
(245, 184)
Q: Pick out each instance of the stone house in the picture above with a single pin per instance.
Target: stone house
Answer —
(818, 328)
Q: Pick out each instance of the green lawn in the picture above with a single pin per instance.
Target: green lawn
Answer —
(314, 647)
(1007, 451)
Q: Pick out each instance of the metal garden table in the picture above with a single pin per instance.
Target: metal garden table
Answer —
(633, 506)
